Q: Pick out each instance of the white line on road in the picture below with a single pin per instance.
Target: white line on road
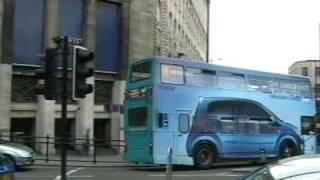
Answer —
(83, 176)
(69, 173)
(33, 177)
(197, 175)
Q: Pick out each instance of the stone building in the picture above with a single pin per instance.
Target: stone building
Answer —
(118, 31)
(179, 28)
(310, 68)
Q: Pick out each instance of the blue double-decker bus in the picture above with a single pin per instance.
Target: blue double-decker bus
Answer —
(208, 113)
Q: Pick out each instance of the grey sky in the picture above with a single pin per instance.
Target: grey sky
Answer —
(264, 35)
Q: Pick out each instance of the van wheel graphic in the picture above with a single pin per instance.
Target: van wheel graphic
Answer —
(287, 149)
(204, 156)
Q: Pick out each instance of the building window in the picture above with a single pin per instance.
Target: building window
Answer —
(304, 71)
(28, 31)
(71, 18)
(317, 71)
(108, 37)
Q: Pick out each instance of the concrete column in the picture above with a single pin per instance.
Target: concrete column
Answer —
(6, 57)
(46, 108)
(117, 118)
(84, 122)
(45, 124)
(125, 39)
(85, 114)
(52, 22)
(5, 96)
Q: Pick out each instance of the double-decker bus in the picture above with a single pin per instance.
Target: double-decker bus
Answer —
(207, 113)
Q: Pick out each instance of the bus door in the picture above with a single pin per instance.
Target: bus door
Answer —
(182, 133)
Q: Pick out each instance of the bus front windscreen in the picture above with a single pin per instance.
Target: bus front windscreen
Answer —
(140, 72)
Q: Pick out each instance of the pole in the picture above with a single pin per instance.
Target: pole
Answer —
(319, 43)
(64, 97)
(208, 30)
(169, 165)
(47, 148)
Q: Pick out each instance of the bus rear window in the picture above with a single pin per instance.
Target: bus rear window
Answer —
(137, 117)
(140, 72)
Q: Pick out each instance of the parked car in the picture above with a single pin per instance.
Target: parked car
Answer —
(6, 170)
(18, 155)
(294, 168)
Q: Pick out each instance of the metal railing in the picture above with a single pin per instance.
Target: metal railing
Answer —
(88, 149)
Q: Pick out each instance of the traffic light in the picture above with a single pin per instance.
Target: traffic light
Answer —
(47, 76)
(81, 71)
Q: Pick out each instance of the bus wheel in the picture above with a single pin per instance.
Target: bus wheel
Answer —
(204, 156)
(287, 149)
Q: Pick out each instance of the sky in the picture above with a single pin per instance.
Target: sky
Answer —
(267, 35)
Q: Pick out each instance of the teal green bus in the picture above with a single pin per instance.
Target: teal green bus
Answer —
(206, 113)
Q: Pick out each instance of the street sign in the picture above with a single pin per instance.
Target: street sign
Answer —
(75, 41)
(72, 41)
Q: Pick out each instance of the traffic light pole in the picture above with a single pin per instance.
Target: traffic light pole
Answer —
(64, 96)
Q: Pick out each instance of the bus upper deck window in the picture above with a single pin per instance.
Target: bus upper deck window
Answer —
(172, 74)
(140, 72)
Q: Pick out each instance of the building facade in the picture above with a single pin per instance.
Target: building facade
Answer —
(118, 31)
(310, 68)
(174, 28)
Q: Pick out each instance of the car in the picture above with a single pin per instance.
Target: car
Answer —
(293, 168)
(6, 170)
(18, 155)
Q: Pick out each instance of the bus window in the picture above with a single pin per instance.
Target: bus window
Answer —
(200, 77)
(140, 72)
(137, 117)
(172, 74)
(184, 123)
(284, 87)
(259, 83)
(304, 90)
(230, 80)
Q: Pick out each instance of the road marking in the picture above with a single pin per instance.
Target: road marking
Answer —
(40, 177)
(244, 169)
(196, 175)
(83, 176)
(69, 173)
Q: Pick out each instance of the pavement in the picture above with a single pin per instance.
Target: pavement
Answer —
(84, 160)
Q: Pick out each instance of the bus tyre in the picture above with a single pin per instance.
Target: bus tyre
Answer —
(204, 156)
(287, 149)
